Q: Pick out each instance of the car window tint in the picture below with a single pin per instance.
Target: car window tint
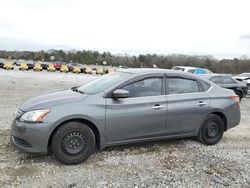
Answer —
(227, 80)
(180, 85)
(216, 80)
(191, 71)
(146, 87)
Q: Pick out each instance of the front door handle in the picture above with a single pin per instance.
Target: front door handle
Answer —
(201, 103)
(157, 107)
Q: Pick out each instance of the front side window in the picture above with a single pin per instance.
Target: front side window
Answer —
(103, 82)
(180, 85)
(145, 87)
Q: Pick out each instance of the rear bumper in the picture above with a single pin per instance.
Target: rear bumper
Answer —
(233, 116)
(31, 138)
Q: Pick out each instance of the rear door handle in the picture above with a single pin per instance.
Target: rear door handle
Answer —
(201, 103)
(157, 107)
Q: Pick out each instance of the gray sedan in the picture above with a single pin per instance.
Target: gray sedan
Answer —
(127, 106)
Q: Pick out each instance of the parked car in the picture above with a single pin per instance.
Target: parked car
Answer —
(64, 68)
(228, 82)
(8, 64)
(71, 66)
(124, 107)
(193, 70)
(58, 64)
(37, 67)
(51, 67)
(99, 70)
(23, 65)
(44, 65)
(1, 63)
(244, 77)
(30, 64)
(88, 69)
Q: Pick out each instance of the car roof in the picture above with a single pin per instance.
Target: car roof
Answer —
(189, 67)
(142, 71)
(213, 75)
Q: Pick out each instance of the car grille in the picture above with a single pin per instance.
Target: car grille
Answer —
(21, 142)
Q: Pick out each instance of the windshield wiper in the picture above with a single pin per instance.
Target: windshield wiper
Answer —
(77, 90)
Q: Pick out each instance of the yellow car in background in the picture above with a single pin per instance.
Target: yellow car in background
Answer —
(64, 68)
(100, 70)
(23, 66)
(51, 67)
(38, 67)
(76, 69)
(8, 65)
(111, 69)
(88, 70)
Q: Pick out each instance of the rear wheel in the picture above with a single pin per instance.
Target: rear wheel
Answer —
(73, 143)
(211, 130)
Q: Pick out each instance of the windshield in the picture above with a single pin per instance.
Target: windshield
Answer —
(103, 82)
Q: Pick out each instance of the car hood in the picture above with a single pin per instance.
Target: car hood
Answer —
(51, 99)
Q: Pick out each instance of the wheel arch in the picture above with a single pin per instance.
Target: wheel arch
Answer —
(222, 116)
(90, 124)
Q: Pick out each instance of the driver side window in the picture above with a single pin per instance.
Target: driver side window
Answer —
(145, 87)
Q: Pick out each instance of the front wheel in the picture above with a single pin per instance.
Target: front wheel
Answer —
(211, 130)
(73, 142)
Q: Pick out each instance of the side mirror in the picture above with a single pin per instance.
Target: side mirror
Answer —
(120, 93)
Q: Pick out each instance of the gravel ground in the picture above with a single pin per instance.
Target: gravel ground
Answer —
(170, 163)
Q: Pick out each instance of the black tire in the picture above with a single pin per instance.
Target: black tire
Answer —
(73, 142)
(211, 130)
(239, 93)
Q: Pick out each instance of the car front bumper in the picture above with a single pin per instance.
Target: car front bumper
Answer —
(31, 138)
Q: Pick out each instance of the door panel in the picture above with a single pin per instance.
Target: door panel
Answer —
(185, 112)
(135, 118)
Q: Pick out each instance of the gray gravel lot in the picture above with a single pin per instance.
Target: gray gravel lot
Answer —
(170, 163)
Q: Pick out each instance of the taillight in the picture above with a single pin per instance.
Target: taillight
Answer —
(236, 98)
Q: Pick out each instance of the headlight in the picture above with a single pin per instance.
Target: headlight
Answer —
(34, 116)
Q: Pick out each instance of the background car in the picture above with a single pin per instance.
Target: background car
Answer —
(1, 63)
(30, 64)
(51, 67)
(23, 65)
(228, 82)
(193, 70)
(71, 66)
(244, 77)
(58, 64)
(64, 68)
(8, 64)
(44, 64)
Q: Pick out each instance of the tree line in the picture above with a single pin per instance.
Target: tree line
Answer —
(230, 66)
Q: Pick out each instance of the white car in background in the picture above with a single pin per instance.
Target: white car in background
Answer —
(193, 70)
(244, 77)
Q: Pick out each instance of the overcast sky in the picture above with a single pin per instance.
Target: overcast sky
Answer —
(217, 27)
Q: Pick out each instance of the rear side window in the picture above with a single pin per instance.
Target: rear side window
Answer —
(191, 71)
(204, 85)
(216, 80)
(227, 80)
(180, 85)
